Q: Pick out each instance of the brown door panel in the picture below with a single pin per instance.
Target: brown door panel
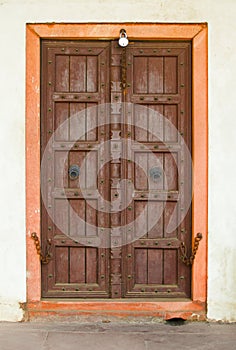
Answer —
(159, 77)
(74, 81)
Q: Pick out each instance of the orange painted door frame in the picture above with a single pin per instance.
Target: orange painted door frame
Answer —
(197, 33)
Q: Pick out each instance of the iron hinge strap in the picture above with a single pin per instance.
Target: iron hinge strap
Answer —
(123, 69)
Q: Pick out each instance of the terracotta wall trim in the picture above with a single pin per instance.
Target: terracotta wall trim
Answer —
(198, 34)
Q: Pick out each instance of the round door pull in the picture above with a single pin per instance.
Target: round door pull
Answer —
(74, 171)
(155, 173)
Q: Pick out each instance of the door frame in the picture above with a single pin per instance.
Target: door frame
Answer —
(194, 308)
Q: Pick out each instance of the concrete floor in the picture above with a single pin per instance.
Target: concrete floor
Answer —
(113, 335)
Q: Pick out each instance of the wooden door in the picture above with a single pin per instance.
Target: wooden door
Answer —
(77, 78)
(159, 76)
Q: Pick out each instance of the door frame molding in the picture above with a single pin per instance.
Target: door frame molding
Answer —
(194, 308)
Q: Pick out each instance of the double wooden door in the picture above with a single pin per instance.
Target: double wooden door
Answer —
(113, 124)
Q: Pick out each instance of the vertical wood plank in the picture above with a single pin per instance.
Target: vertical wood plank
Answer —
(141, 226)
(155, 210)
(155, 123)
(61, 169)
(77, 211)
(140, 75)
(61, 265)
(141, 182)
(171, 172)
(170, 213)
(141, 123)
(78, 73)
(92, 121)
(155, 75)
(61, 114)
(91, 170)
(91, 265)
(170, 266)
(91, 217)
(61, 212)
(170, 75)
(77, 121)
(62, 73)
(77, 265)
(155, 266)
(92, 74)
(141, 266)
(171, 124)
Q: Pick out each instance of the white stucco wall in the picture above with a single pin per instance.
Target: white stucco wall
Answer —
(220, 15)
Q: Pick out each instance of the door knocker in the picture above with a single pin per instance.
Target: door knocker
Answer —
(74, 171)
(155, 173)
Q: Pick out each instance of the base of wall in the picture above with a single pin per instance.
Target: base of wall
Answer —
(11, 311)
(217, 313)
(122, 310)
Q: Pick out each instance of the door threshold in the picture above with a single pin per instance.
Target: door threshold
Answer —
(117, 300)
(98, 309)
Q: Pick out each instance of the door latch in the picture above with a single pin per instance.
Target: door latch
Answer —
(43, 258)
(189, 261)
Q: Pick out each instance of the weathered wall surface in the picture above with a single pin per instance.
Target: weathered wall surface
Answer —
(14, 14)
